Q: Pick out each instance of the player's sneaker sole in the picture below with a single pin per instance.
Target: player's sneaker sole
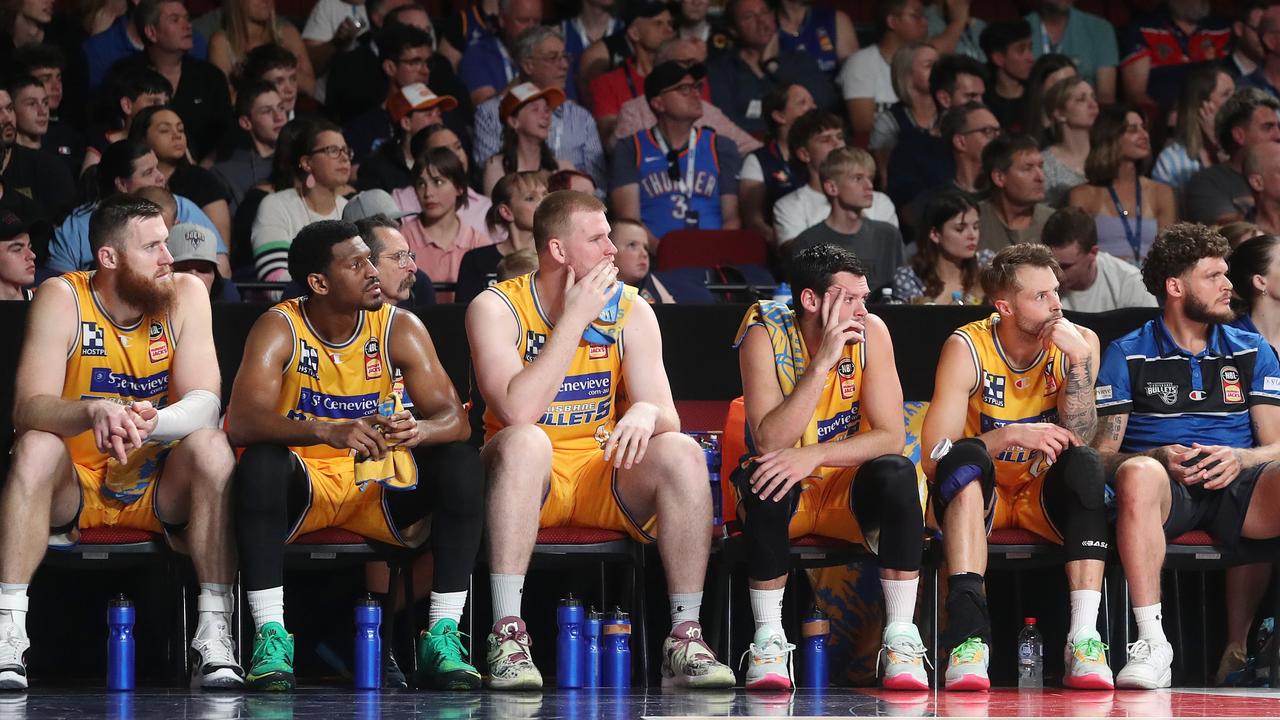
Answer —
(220, 679)
(769, 681)
(1141, 683)
(1089, 681)
(519, 683)
(970, 683)
(457, 680)
(10, 680)
(904, 681)
(272, 682)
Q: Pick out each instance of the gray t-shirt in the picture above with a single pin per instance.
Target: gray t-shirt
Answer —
(1216, 191)
(877, 244)
(1118, 285)
(995, 236)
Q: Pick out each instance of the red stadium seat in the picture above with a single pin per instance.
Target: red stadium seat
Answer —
(709, 248)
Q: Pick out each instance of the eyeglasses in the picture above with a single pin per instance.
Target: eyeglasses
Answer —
(402, 258)
(333, 151)
(417, 62)
(555, 58)
(988, 132)
(687, 89)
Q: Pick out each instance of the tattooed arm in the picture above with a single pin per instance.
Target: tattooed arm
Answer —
(1076, 409)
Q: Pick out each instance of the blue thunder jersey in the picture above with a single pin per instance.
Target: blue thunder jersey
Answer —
(1173, 396)
(817, 38)
(663, 206)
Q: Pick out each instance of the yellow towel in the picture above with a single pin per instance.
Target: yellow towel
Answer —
(396, 470)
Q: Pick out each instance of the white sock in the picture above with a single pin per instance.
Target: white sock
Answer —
(266, 606)
(19, 617)
(1084, 614)
(766, 606)
(507, 591)
(899, 600)
(1149, 625)
(685, 607)
(214, 605)
(446, 606)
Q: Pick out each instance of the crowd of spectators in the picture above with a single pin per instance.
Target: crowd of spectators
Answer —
(923, 138)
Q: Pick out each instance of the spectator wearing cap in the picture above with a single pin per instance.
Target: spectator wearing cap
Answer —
(28, 171)
(63, 138)
(403, 284)
(487, 68)
(525, 112)
(405, 52)
(356, 82)
(675, 175)
(194, 251)
(437, 236)
(1089, 40)
(368, 203)
(200, 94)
(574, 136)
(412, 108)
(17, 258)
(636, 115)
(649, 26)
(866, 80)
(124, 38)
(1161, 49)
(741, 77)
(1007, 44)
(260, 113)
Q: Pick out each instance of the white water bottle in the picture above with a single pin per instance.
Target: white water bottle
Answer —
(1030, 656)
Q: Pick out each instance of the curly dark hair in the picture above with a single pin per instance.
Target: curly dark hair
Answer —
(1177, 248)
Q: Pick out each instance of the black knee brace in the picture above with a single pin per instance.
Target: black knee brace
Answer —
(886, 501)
(263, 480)
(1074, 500)
(765, 527)
(968, 461)
(451, 487)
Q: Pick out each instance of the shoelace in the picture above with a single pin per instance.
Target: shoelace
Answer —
(773, 648)
(510, 633)
(273, 645)
(1139, 651)
(11, 646)
(450, 640)
(694, 658)
(967, 651)
(1091, 647)
(907, 647)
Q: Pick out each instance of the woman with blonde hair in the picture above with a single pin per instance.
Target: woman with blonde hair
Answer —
(915, 110)
(1071, 108)
(1128, 208)
(247, 24)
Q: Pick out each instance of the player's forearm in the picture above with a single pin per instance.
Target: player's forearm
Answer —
(534, 388)
(862, 448)
(446, 427)
(665, 417)
(783, 426)
(52, 414)
(1256, 456)
(1079, 413)
(267, 428)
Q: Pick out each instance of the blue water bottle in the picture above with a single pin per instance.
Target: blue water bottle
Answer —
(615, 655)
(120, 644)
(813, 666)
(711, 448)
(368, 645)
(591, 664)
(570, 647)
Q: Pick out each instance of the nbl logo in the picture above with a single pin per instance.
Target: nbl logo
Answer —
(91, 340)
(308, 360)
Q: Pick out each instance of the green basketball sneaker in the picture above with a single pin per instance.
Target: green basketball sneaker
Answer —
(272, 665)
(440, 659)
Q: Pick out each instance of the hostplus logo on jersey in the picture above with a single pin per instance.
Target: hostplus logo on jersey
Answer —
(533, 343)
(92, 340)
(993, 389)
(308, 360)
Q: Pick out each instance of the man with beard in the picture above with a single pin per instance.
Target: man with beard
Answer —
(1190, 427)
(1160, 50)
(1009, 424)
(547, 348)
(125, 433)
(328, 444)
(402, 284)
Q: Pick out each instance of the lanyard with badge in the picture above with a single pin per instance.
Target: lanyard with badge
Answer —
(1044, 37)
(685, 183)
(508, 66)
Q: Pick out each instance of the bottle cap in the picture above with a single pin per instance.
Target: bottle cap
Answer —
(1029, 621)
(571, 600)
(121, 601)
(368, 601)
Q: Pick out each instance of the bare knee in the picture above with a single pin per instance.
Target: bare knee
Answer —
(1139, 481)
(37, 457)
(680, 457)
(207, 454)
(520, 452)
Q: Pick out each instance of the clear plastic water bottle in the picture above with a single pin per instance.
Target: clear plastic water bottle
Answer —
(782, 293)
(1030, 656)
(887, 298)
